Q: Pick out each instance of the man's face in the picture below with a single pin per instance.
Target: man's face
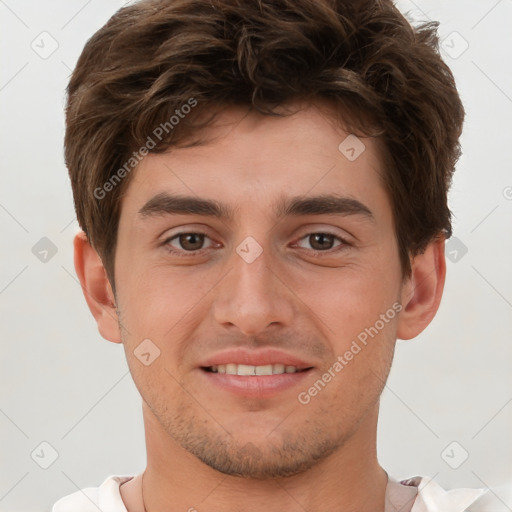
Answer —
(323, 277)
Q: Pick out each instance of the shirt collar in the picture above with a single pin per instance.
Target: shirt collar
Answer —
(432, 497)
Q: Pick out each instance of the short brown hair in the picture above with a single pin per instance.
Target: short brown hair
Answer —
(155, 56)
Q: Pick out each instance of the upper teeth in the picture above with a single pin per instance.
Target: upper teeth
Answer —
(247, 369)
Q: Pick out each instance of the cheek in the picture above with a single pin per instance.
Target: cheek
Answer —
(359, 313)
(361, 361)
(352, 302)
(166, 308)
(156, 298)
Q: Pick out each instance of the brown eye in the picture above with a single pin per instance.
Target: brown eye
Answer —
(186, 242)
(322, 241)
(191, 241)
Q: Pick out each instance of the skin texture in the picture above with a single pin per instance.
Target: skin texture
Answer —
(210, 449)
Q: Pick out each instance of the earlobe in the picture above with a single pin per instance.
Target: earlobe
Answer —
(96, 288)
(422, 292)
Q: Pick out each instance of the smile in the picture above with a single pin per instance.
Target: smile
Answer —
(250, 370)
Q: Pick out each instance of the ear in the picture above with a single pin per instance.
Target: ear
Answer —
(422, 292)
(96, 288)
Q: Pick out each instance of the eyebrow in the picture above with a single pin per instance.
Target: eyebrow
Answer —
(326, 204)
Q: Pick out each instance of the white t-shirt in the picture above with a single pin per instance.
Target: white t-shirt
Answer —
(418, 494)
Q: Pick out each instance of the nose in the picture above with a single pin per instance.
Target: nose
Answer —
(253, 296)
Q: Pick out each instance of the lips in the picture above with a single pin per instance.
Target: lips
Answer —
(250, 370)
(254, 374)
(258, 358)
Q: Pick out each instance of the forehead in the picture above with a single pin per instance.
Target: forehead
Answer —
(248, 157)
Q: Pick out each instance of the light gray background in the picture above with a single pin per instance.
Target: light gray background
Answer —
(61, 383)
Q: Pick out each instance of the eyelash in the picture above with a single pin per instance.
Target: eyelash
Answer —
(184, 254)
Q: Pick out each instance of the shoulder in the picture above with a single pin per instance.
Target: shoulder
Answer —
(85, 500)
(432, 496)
(90, 498)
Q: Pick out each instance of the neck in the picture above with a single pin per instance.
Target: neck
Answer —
(348, 479)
